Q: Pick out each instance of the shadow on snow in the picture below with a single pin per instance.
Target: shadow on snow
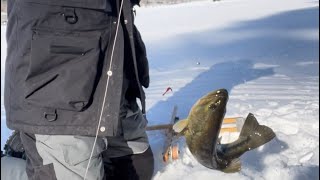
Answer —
(266, 39)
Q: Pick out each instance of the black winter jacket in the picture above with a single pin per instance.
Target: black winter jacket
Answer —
(59, 64)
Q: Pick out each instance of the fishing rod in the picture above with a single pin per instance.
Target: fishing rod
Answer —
(109, 72)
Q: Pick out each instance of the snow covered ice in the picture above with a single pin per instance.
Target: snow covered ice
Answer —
(265, 53)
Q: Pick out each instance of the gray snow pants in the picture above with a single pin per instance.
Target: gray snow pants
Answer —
(130, 167)
(51, 157)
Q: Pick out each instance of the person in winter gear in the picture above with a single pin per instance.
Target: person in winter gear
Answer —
(74, 70)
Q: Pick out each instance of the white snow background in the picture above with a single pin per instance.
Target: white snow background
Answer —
(265, 53)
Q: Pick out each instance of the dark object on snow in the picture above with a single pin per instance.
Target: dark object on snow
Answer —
(168, 89)
(202, 128)
(14, 147)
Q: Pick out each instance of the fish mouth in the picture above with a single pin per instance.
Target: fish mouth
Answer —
(221, 92)
(219, 99)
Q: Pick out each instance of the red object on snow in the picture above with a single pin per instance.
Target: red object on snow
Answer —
(168, 89)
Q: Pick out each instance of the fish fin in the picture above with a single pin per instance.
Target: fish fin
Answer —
(257, 134)
(234, 166)
(179, 126)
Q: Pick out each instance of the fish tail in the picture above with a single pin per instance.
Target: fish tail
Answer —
(257, 134)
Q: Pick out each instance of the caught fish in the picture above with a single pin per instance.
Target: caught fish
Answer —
(201, 130)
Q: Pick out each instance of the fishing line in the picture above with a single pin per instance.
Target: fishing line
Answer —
(106, 90)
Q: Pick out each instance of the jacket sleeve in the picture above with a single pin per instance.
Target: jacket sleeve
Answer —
(141, 57)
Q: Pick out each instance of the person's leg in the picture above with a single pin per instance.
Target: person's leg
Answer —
(130, 167)
(62, 157)
(144, 164)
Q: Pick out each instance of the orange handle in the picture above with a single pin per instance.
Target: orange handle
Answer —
(230, 129)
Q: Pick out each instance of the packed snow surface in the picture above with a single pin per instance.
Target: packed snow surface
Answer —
(265, 53)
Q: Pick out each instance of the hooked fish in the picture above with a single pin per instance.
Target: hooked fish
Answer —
(201, 130)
